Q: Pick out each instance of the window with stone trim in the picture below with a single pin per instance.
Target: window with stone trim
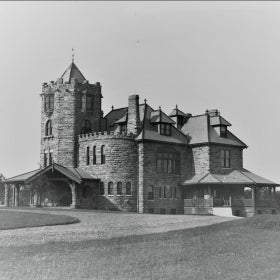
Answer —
(87, 102)
(151, 192)
(49, 102)
(164, 192)
(102, 154)
(86, 127)
(110, 188)
(94, 155)
(168, 162)
(225, 158)
(128, 188)
(159, 192)
(119, 188)
(50, 158)
(101, 188)
(48, 130)
(45, 159)
(87, 155)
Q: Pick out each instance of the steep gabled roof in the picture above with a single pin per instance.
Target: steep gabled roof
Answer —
(73, 72)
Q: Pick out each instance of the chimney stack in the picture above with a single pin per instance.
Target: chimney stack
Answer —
(133, 118)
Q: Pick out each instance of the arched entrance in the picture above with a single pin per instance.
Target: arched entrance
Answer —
(56, 193)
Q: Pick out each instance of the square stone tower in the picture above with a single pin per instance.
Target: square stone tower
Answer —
(70, 106)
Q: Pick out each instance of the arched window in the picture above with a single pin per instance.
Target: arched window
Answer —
(119, 188)
(94, 155)
(159, 192)
(103, 154)
(86, 127)
(110, 188)
(87, 155)
(128, 188)
(151, 193)
(48, 128)
(101, 188)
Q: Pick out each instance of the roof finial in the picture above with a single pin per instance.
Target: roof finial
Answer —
(112, 107)
(145, 101)
(159, 107)
(176, 106)
(73, 55)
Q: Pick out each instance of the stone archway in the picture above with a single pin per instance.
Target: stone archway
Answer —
(56, 193)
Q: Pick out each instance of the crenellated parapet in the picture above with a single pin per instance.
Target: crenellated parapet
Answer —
(74, 85)
(105, 135)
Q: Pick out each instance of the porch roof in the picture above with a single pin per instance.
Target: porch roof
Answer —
(22, 177)
(237, 177)
(76, 174)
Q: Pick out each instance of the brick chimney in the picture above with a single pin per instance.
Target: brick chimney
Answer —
(133, 118)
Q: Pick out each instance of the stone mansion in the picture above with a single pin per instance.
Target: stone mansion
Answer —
(136, 158)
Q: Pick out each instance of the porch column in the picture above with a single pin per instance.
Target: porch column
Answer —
(6, 198)
(36, 199)
(16, 196)
(270, 198)
(254, 199)
(75, 200)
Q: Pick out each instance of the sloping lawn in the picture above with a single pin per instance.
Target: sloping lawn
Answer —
(240, 249)
(13, 219)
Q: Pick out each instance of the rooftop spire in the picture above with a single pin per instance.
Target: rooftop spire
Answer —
(73, 55)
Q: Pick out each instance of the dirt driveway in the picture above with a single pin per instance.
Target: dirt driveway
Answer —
(101, 225)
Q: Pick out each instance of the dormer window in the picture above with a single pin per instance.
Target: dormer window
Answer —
(223, 131)
(49, 102)
(165, 129)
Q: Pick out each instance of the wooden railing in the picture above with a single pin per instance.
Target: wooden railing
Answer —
(235, 202)
(198, 202)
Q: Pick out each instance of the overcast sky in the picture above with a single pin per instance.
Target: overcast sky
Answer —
(199, 55)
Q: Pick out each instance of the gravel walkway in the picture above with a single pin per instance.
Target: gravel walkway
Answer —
(100, 225)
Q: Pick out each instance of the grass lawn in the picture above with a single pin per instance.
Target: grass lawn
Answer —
(240, 249)
(13, 220)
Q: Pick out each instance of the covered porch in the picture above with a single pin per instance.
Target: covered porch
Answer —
(239, 193)
(55, 185)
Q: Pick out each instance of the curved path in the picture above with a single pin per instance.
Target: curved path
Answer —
(101, 225)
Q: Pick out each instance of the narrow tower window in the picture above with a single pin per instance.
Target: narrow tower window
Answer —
(87, 155)
(94, 155)
(49, 102)
(48, 128)
(103, 154)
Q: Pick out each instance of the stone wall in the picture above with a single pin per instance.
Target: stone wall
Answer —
(207, 158)
(148, 176)
(121, 159)
(236, 158)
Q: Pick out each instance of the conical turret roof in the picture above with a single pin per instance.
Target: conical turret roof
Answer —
(73, 72)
